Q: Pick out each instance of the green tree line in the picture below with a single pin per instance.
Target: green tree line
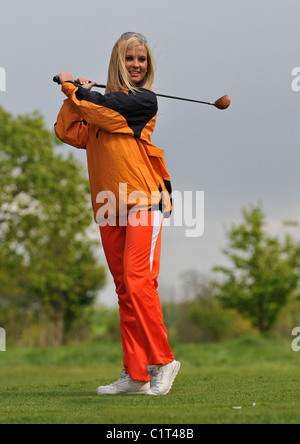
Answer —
(47, 263)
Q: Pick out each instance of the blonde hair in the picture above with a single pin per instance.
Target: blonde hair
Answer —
(117, 72)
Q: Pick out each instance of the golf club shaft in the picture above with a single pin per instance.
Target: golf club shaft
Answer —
(56, 79)
(185, 100)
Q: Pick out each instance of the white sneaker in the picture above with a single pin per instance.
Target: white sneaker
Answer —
(124, 386)
(162, 378)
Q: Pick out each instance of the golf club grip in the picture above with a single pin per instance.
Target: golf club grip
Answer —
(56, 80)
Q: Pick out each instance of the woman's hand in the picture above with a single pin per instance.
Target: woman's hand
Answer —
(87, 84)
(84, 82)
(65, 77)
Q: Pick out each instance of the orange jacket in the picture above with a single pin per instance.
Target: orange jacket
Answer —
(127, 172)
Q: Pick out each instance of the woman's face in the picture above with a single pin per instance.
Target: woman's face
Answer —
(136, 63)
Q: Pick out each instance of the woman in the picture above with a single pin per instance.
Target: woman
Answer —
(130, 189)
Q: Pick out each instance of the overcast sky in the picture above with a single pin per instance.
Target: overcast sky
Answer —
(204, 49)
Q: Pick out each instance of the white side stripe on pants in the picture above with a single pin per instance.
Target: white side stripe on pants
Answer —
(158, 219)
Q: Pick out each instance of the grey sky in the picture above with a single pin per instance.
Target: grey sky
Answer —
(203, 49)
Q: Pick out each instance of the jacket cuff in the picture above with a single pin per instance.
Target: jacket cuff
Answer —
(68, 87)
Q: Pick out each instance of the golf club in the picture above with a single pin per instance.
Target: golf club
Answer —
(222, 103)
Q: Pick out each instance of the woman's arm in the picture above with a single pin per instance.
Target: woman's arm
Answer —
(70, 128)
(117, 112)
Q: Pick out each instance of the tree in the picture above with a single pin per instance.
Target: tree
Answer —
(47, 262)
(264, 271)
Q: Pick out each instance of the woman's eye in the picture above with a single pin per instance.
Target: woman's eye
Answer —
(141, 59)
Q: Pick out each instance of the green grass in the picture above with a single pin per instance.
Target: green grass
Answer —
(57, 386)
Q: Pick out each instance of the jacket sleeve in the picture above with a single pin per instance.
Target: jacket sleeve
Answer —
(116, 112)
(70, 128)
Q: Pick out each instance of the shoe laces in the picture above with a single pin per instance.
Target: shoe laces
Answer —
(153, 370)
(124, 375)
(155, 374)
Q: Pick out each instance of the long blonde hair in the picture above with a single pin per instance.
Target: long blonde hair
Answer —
(117, 72)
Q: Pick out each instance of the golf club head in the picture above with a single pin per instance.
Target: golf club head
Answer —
(222, 103)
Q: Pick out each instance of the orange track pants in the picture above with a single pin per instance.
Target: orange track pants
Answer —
(133, 256)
